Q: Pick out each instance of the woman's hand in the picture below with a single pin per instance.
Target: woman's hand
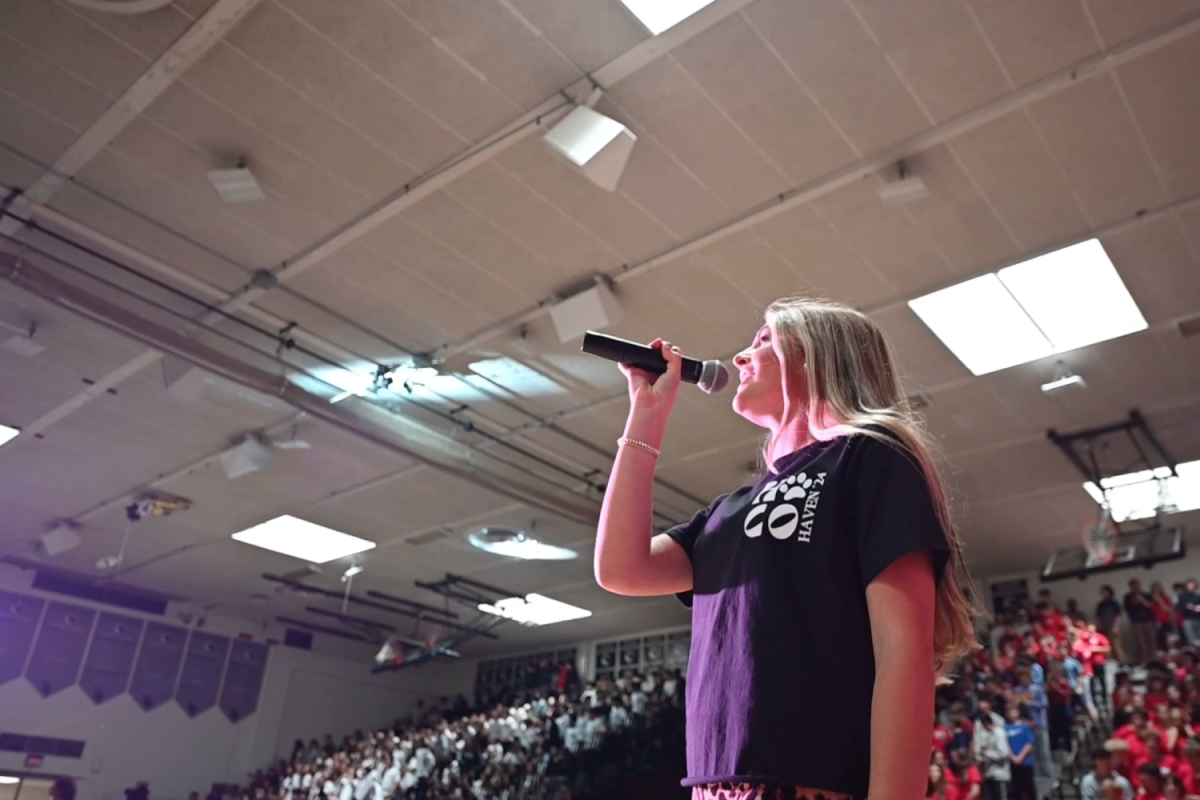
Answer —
(654, 395)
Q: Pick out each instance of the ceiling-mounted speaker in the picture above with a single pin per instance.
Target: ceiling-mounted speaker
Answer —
(244, 458)
(593, 309)
(596, 145)
(59, 539)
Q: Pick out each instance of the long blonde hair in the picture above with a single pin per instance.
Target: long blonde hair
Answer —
(853, 384)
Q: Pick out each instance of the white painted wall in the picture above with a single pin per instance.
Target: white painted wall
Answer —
(305, 694)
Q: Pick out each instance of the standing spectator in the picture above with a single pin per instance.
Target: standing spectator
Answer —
(1151, 782)
(1140, 608)
(1021, 743)
(994, 757)
(1189, 609)
(1102, 772)
(1164, 613)
(1034, 698)
(1108, 620)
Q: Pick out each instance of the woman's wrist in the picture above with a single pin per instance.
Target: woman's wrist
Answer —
(646, 425)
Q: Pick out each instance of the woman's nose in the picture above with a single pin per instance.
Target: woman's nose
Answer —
(741, 358)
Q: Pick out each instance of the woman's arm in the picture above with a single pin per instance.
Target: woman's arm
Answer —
(900, 603)
(629, 559)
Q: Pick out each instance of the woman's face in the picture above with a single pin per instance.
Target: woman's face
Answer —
(760, 392)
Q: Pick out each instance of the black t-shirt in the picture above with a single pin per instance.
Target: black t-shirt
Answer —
(782, 669)
(1107, 611)
(1136, 611)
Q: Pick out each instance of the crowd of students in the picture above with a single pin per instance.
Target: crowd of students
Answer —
(547, 744)
(1015, 705)
(1011, 709)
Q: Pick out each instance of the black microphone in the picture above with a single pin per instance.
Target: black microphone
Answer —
(710, 376)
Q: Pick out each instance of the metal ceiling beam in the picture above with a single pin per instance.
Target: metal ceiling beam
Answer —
(616, 70)
(189, 48)
(884, 159)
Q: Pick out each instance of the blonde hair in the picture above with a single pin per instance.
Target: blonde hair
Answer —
(854, 386)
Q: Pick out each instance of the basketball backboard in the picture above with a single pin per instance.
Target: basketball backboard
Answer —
(1136, 548)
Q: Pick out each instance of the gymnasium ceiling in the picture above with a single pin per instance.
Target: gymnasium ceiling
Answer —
(411, 207)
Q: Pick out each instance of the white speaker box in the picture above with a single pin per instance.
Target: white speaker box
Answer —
(590, 310)
(596, 145)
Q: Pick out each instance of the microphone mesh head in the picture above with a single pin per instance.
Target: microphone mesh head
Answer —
(713, 377)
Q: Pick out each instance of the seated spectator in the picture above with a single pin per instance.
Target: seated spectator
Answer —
(1103, 772)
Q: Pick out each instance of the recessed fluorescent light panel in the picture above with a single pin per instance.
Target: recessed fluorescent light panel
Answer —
(7, 434)
(1138, 495)
(1051, 304)
(659, 15)
(983, 325)
(535, 609)
(307, 541)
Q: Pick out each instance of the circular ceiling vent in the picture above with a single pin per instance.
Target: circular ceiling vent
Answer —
(122, 6)
(516, 544)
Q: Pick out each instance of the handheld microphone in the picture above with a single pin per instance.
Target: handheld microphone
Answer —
(710, 376)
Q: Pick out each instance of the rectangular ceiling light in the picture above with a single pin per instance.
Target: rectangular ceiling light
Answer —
(1075, 296)
(1050, 304)
(982, 324)
(7, 434)
(535, 609)
(307, 541)
(1138, 495)
(659, 15)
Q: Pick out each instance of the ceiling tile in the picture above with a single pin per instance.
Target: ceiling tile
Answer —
(663, 102)
(664, 189)
(956, 217)
(390, 45)
(825, 264)
(939, 52)
(1161, 89)
(887, 237)
(148, 34)
(1012, 168)
(610, 216)
(39, 83)
(1159, 268)
(60, 36)
(1120, 21)
(228, 78)
(215, 130)
(516, 60)
(452, 224)
(839, 61)
(714, 292)
(497, 196)
(32, 133)
(286, 46)
(753, 87)
(590, 32)
(1034, 39)
(1087, 125)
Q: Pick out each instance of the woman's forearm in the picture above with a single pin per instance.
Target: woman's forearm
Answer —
(627, 515)
(901, 721)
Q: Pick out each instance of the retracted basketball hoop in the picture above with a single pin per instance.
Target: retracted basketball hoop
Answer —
(1100, 539)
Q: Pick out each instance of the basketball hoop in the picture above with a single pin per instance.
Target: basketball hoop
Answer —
(1100, 539)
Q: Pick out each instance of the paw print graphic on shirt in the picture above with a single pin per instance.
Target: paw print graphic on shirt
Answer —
(784, 516)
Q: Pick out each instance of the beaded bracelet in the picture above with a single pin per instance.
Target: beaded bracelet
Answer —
(654, 451)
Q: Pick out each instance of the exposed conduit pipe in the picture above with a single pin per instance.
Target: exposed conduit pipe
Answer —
(370, 424)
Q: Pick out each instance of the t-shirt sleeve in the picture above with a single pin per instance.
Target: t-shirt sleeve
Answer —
(893, 511)
(686, 535)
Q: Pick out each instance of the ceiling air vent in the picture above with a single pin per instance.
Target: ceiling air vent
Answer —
(122, 6)
(426, 538)
(1189, 327)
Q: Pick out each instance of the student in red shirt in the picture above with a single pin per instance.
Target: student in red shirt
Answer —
(1189, 766)
(970, 783)
(941, 739)
(1156, 752)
